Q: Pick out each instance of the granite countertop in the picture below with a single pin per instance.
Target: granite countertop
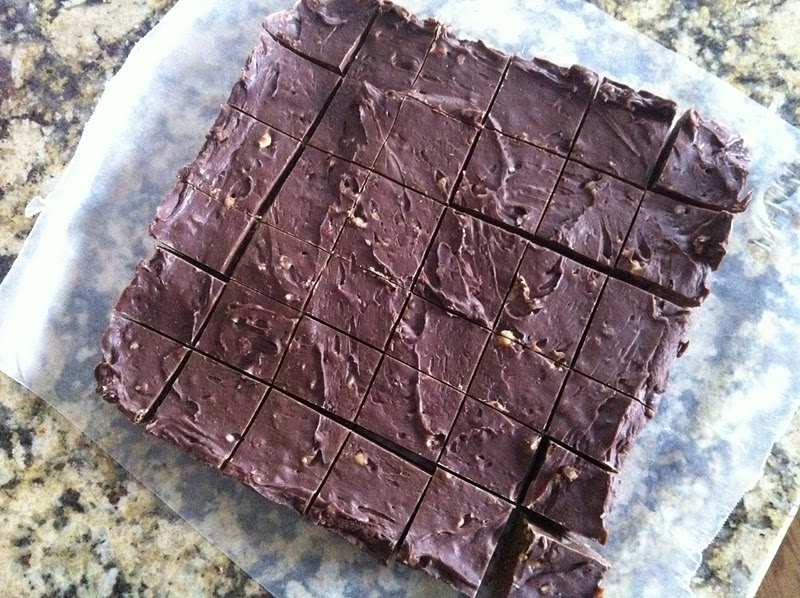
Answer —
(75, 523)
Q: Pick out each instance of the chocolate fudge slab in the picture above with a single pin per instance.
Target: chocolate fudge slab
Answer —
(438, 343)
(287, 452)
(410, 408)
(518, 381)
(707, 164)
(206, 411)
(455, 532)
(676, 246)
(596, 420)
(327, 368)
(357, 122)
(590, 213)
(280, 266)
(385, 218)
(490, 449)
(314, 201)
(424, 162)
(241, 161)
(282, 89)
(508, 181)
(459, 77)
(573, 492)
(369, 496)
(542, 103)
(624, 131)
(249, 331)
(137, 363)
(550, 303)
(327, 32)
(470, 267)
(357, 302)
(632, 340)
(165, 279)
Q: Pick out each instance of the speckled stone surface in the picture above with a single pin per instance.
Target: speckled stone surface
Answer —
(75, 523)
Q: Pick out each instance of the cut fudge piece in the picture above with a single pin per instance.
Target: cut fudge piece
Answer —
(357, 302)
(241, 161)
(632, 341)
(455, 532)
(550, 304)
(596, 420)
(428, 163)
(249, 331)
(573, 492)
(357, 122)
(590, 213)
(470, 267)
(327, 32)
(369, 496)
(517, 381)
(542, 103)
(438, 343)
(327, 368)
(676, 246)
(280, 266)
(624, 131)
(490, 449)
(459, 77)
(314, 201)
(410, 409)
(385, 218)
(137, 363)
(282, 89)
(166, 280)
(287, 452)
(207, 410)
(708, 164)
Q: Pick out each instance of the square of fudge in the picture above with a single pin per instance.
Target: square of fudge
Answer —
(550, 303)
(314, 201)
(518, 381)
(410, 408)
(282, 89)
(490, 449)
(287, 452)
(249, 331)
(590, 213)
(241, 161)
(573, 492)
(327, 368)
(326, 32)
(508, 181)
(425, 150)
(280, 266)
(357, 122)
(137, 363)
(632, 340)
(207, 410)
(596, 420)
(165, 279)
(676, 246)
(470, 267)
(385, 218)
(542, 103)
(369, 496)
(441, 344)
(624, 131)
(455, 532)
(357, 302)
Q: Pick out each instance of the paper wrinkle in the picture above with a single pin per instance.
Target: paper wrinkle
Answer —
(729, 398)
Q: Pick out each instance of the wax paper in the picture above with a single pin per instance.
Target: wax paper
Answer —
(729, 398)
